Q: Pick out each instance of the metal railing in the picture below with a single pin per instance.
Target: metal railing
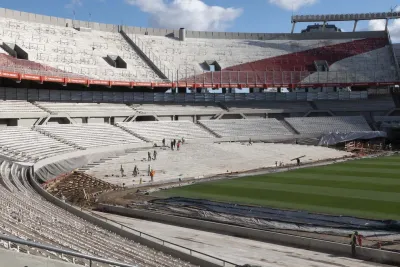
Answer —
(164, 242)
(153, 57)
(91, 259)
(221, 78)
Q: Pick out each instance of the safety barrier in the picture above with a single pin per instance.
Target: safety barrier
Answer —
(91, 259)
(222, 79)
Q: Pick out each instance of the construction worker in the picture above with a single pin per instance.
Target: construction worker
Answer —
(148, 170)
(163, 142)
(353, 243)
(183, 140)
(178, 145)
(135, 171)
(122, 171)
(172, 145)
(152, 173)
(148, 156)
(155, 155)
(298, 161)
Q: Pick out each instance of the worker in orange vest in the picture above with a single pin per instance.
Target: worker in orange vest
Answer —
(152, 173)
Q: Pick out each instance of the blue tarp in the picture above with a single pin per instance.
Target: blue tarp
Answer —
(337, 138)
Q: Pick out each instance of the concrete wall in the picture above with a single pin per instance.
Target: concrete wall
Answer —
(95, 120)
(186, 118)
(136, 238)
(164, 118)
(26, 122)
(119, 119)
(68, 22)
(374, 255)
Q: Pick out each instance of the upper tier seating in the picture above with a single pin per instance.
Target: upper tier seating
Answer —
(65, 51)
(242, 128)
(267, 106)
(381, 103)
(26, 145)
(25, 214)
(89, 135)
(191, 108)
(321, 125)
(16, 108)
(187, 56)
(157, 131)
(87, 109)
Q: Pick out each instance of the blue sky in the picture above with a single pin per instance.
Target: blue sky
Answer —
(245, 15)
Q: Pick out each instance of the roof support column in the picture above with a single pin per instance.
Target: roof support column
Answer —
(386, 25)
(293, 25)
(355, 25)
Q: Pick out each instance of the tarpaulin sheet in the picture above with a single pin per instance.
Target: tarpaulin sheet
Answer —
(337, 138)
(287, 216)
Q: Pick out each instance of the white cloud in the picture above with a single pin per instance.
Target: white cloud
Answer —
(190, 14)
(74, 3)
(394, 28)
(293, 4)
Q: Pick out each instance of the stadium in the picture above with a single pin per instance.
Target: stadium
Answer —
(135, 147)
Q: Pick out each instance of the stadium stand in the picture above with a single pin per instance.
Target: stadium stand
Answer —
(112, 57)
(251, 127)
(86, 109)
(270, 55)
(61, 51)
(88, 135)
(26, 145)
(19, 109)
(27, 215)
(321, 125)
(65, 53)
(157, 131)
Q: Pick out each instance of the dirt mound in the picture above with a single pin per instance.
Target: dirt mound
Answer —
(79, 188)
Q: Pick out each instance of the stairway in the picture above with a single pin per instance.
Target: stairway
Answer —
(154, 64)
(288, 126)
(313, 105)
(396, 100)
(62, 140)
(132, 133)
(208, 129)
(41, 107)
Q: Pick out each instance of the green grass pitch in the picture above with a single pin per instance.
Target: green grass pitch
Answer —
(368, 188)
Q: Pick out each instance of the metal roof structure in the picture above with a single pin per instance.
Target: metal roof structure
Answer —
(345, 17)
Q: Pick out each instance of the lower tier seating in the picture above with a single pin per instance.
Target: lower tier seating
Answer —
(251, 127)
(320, 125)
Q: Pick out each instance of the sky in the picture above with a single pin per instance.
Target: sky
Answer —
(209, 15)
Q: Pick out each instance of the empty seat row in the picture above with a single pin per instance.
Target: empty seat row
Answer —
(321, 125)
(157, 131)
(87, 109)
(24, 144)
(250, 127)
(89, 135)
